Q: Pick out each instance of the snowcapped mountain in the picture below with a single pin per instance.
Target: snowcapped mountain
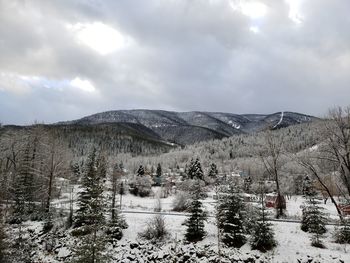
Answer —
(190, 127)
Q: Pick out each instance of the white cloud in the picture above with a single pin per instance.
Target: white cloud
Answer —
(252, 9)
(254, 29)
(14, 83)
(98, 36)
(82, 84)
(294, 11)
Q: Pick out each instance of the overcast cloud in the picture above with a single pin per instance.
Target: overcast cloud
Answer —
(64, 59)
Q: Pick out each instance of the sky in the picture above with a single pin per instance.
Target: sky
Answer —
(65, 59)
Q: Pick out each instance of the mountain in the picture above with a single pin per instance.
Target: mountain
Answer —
(189, 127)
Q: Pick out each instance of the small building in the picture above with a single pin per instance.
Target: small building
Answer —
(272, 201)
(345, 209)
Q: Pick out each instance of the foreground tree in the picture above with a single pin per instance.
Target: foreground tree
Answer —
(313, 218)
(337, 144)
(90, 201)
(262, 234)
(90, 219)
(230, 217)
(270, 154)
(195, 223)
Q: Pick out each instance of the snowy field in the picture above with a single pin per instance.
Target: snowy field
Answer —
(293, 244)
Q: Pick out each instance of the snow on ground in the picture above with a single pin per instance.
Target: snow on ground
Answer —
(293, 243)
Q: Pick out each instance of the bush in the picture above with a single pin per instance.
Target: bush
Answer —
(342, 235)
(155, 230)
(181, 202)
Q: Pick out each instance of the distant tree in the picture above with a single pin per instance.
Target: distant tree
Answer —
(158, 178)
(159, 170)
(195, 223)
(213, 171)
(141, 171)
(195, 170)
(230, 214)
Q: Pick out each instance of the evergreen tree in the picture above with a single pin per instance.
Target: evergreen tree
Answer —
(312, 214)
(141, 171)
(230, 213)
(195, 223)
(90, 216)
(195, 170)
(22, 190)
(117, 222)
(315, 221)
(342, 235)
(4, 246)
(213, 171)
(90, 200)
(91, 249)
(262, 234)
(313, 217)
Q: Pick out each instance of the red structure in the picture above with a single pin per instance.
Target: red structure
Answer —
(272, 201)
(345, 209)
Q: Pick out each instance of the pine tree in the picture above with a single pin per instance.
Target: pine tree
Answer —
(316, 222)
(117, 222)
(90, 216)
(90, 200)
(213, 171)
(195, 170)
(195, 223)
(158, 179)
(262, 234)
(141, 171)
(313, 217)
(22, 190)
(4, 246)
(230, 213)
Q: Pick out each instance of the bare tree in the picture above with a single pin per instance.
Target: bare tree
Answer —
(336, 148)
(270, 153)
(315, 165)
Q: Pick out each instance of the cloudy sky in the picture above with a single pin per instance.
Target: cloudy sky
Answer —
(64, 59)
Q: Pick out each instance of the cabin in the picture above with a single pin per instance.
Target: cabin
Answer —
(345, 209)
(272, 201)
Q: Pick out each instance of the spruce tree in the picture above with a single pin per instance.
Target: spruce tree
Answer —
(262, 233)
(4, 246)
(195, 170)
(141, 171)
(22, 190)
(195, 223)
(90, 200)
(213, 171)
(230, 217)
(313, 217)
(90, 216)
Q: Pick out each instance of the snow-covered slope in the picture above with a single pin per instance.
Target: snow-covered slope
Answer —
(190, 127)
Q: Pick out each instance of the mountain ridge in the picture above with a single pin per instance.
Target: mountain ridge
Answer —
(194, 126)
